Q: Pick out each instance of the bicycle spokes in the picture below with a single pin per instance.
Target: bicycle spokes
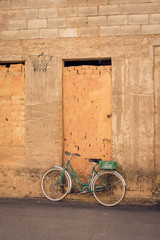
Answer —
(108, 189)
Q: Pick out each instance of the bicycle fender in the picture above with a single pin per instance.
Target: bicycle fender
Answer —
(120, 177)
(69, 178)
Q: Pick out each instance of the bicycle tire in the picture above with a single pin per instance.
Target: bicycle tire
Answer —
(109, 188)
(55, 184)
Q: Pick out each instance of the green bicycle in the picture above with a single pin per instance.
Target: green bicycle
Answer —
(107, 186)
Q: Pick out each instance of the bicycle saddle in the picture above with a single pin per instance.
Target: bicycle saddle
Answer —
(95, 160)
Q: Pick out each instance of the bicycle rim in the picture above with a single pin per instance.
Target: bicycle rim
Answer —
(55, 184)
(109, 188)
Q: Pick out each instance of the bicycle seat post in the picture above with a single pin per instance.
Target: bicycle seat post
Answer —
(69, 155)
(69, 158)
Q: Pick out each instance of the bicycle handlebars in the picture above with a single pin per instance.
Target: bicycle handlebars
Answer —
(69, 154)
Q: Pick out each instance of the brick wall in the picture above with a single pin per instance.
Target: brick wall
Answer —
(32, 19)
(12, 114)
(12, 126)
(86, 105)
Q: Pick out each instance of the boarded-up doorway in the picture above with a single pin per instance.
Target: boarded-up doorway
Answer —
(12, 114)
(87, 114)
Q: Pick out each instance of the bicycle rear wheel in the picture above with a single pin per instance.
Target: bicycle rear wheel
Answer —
(55, 184)
(109, 188)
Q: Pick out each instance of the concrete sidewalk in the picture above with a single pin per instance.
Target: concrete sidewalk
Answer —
(71, 220)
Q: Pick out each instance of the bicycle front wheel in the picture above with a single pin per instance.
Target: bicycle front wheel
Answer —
(55, 184)
(109, 188)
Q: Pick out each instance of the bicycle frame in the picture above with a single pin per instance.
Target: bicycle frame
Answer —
(75, 177)
(56, 183)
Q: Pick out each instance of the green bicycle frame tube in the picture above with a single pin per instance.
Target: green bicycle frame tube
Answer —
(75, 177)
